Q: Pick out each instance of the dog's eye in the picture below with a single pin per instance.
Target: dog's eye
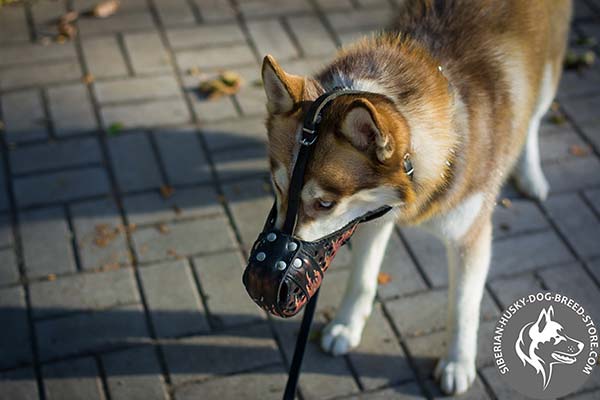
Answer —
(324, 204)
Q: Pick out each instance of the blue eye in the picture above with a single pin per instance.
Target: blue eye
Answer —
(325, 205)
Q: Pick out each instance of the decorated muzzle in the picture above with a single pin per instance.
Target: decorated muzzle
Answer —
(283, 271)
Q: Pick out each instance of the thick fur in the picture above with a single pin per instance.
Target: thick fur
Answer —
(458, 87)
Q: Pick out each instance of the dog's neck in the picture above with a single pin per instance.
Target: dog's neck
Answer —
(406, 74)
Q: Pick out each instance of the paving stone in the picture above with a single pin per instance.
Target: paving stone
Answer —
(431, 317)
(83, 292)
(100, 234)
(71, 153)
(175, 12)
(134, 163)
(46, 240)
(403, 273)
(407, 391)
(522, 216)
(13, 24)
(208, 58)
(379, 360)
(268, 383)
(73, 379)
(98, 331)
(270, 38)
(71, 110)
(235, 133)
(148, 114)
(573, 175)
(173, 300)
(24, 116)
(39, 74)
(182, 156)
(571, 280)
(499, 386)
(249, 202)
(215, 10)
(6, 234)
(314, 39)
(525, 253)
(213, 110)
(35, 53)
(578, 83)
(347, 38)
(430, 254)
(151, 208)
(226, 299)
(203, 357)
(595, 268)
(18, 384)
(137, 89)
(104, 57)
(60, 186)
(244, 162)
(147, 53)
(508, 290)
(593, 196)
(261, 8)
(14, 342)
(373, 3)
(475, 392)
(4, 203)
(558, 141)
(119, 22)
(134, 374)
(584, 113)
(357, 20)
(251, 97)
(9, 271)
(183, 238)
(577, 223)
(207, 35)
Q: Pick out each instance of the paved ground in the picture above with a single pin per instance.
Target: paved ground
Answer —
(111, 290)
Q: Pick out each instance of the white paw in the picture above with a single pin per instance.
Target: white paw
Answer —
(455, 377)
(338, 338)
(535, 187)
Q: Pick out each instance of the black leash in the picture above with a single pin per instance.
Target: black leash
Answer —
(292, 382)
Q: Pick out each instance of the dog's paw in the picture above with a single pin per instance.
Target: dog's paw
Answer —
(338, 339)
(533, 185)
(455, 377)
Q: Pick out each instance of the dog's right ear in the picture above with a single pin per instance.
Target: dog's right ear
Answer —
(283, 90)
(544, 317)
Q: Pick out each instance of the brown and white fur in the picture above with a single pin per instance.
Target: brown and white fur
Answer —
(461, 87)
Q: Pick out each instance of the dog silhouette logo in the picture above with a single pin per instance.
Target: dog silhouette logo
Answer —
(544, 343)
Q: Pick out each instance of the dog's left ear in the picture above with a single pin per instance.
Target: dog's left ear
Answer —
(363, 126)
(283, 90)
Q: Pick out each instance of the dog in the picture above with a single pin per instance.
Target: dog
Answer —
(543, 343)
(457, 87)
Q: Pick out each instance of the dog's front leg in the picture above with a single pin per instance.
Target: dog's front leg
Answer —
(468, 263)
(368, 248)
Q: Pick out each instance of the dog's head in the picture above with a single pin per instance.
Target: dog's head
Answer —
(544, 342)
(357, 165)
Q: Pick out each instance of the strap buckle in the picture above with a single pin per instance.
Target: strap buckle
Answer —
(309, 136)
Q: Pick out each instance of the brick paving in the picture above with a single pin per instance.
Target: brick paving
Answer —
(111, 290)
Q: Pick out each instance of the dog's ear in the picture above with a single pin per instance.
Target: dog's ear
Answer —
(544, 317)
(364, 128)
(283, 90)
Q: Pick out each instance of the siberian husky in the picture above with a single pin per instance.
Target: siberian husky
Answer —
(458, 87)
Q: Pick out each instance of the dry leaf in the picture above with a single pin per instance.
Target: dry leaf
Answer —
(166, 191)
(384, 278)
(67, 30)
(578, 151)
(88, 79)
(226, 84)
(177, 209)
(163, 228)
(194, 71)
(104, 234)
(51, 277)
(506, 203)
(69, 17)
(105, 8)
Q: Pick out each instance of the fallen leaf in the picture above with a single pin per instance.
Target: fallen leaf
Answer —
(579, 151)
(60, 39)
(115, 128)
(67, 30)
(194, 71)
(69, 17)
(88, 79)
(166, 191)
(51, 277)
(173, 253)
(506, 203)
(225, 84)
(578, 61)
(177, 209)
(104, 234)
(557, 118)
(588, 41)
(163, 228)
(384, 278)
(110, 267)
(105, 8)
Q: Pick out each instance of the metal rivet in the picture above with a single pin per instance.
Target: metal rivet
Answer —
(271, 237)
(281, 265)
(261, 256)
(297, 263)
(292, 246)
